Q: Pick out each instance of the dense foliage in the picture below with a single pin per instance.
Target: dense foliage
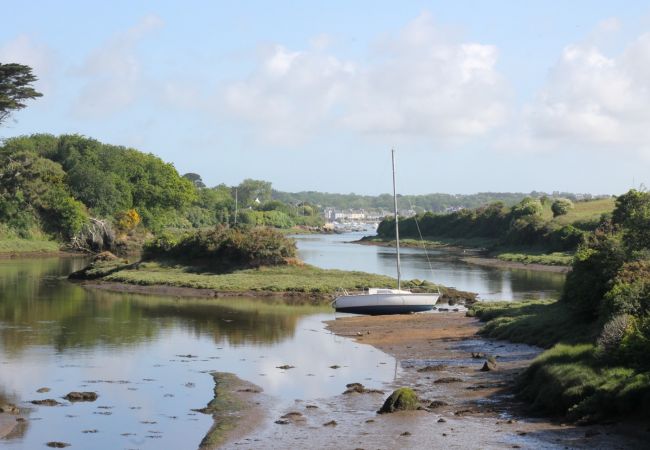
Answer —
(224, 248)
(430, 202)
(522, 225)
(74, 188)
(600, 366)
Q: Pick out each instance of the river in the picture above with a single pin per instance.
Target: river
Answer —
(148, 356)
(443, 266)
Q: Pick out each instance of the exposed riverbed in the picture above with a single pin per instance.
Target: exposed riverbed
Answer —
(149, 359)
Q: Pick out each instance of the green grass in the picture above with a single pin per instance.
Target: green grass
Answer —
(549, 259)
(583, 211)
(288, 278)
(573, 378)
(543, 322)
(17, 245)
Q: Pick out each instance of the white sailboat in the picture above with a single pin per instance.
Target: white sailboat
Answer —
(377, 301)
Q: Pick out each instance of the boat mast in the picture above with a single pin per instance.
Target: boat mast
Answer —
(399, 271)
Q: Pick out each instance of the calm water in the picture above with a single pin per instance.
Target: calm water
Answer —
(133, 351)
(148, 357)
(336, 252)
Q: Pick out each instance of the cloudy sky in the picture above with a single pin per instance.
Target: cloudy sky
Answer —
(474, 95)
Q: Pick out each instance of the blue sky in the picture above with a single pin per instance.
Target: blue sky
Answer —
(476, 96)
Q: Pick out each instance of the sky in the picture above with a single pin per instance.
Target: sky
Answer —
(475, 96)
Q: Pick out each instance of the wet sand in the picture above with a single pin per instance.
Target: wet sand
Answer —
(478, 410)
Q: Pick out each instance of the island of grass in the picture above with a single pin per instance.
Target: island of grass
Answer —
(229, 261)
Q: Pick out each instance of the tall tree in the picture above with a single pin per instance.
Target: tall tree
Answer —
(15, 88)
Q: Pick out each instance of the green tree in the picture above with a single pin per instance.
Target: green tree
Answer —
(195, 178)
(250, 190)
(632, 214)
(15, 88)
(561, 206)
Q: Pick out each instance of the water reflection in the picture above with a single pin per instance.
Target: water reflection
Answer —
(444, 267)
(133, 351)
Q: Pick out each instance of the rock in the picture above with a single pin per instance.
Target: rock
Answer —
(56, 444)
(360, 389)
(46, 402)
(437, 404)
(43, 390)
(311, 407)
(406, 433)
(285, 367)
(331, 423)
(81, 396)
(282, 422)
(354, 387)
(489, 366)
(433, 368)
(401, 399)
(293, 416)
(446, 380)
(9, 409)
(335, 366)
(441, 420)
(478, 355)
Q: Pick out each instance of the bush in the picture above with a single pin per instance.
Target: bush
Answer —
(561, 206)
(225, 248)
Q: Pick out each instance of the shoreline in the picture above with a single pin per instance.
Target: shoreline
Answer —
(476, 408)
(494, 262)
(484, 261)
(41, 254)
(178, 291)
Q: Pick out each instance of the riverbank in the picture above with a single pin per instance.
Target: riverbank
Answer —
(501, 264)
(474, 251)
(20, 248)
(440, 356)
(290, 280)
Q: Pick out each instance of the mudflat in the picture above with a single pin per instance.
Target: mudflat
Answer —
(464, 405)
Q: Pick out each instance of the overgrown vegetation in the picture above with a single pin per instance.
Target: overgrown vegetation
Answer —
(73, 189)
(224, 248)
(533, 230)
(600, 328)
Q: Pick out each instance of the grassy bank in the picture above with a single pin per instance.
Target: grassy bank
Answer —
(19, 246)
(575, 377)
(294, 278)
(549, 259)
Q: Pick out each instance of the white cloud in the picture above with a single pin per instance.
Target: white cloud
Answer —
(291, 94)
(591, 100)
(114, 72)
(416, 83)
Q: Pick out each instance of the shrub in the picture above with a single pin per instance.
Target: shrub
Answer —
(225, 248)
(561, 206)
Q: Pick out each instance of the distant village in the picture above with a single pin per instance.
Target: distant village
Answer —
(364, 219)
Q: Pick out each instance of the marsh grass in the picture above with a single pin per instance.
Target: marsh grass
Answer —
(17, 245)
(286, 278)
(549, 259)
(573, 378)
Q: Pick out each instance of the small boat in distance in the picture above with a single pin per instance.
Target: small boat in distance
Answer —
(376, 301)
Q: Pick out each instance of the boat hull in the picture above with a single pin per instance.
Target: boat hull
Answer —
(379, 304)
